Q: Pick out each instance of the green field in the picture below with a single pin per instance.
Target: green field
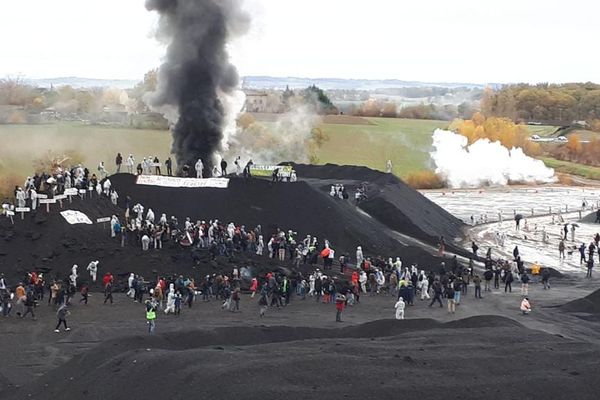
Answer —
(570, 168)
(404, 141)
(20, 145)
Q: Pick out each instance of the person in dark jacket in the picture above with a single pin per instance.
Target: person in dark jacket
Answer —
(474, 247)
(437, 293)
(61, 315)
(119, 162)
(477, 283)
(508, 280)
(450, 296)
(169, 165)
(108, 293)
(546, 278)
(488, 275)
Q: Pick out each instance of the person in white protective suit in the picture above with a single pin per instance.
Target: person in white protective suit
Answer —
(163, 220)
(20, 196)
(113, 223)
(170, 308)
(380, 279)
(145, 243)
(98, 189)
(260, 246)
(424, 286)
(34, 199)
(388, 166)
(130, 163)
(359, 256)
(150, 216)
(311, 285)
(215, 172)
(199, 166)
(398, 265)
(106, 185)
(114, 196)
(362, 279)
(131, 291)
(73, 276)
(400, 305)
(139, 210)
(102, 170)
(93, 270)
(231, 229)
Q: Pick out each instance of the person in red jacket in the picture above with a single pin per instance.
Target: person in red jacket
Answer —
(253, 287)
(108, 278)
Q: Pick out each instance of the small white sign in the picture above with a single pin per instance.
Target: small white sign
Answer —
(10, 213)
(82, 191)
(47, 201)
(22, 209)
(101, 220)
(60, 197)
(71, 192)
(42, 196)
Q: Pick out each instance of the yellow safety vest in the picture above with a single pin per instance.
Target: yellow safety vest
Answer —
(151, 314)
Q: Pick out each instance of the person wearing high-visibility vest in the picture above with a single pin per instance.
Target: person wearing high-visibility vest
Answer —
(151, 315)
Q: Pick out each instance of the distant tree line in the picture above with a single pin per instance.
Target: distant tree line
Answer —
(547, 103)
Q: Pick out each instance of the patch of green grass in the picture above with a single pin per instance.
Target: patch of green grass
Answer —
(567, 167)
(406, 142)
(542, 130)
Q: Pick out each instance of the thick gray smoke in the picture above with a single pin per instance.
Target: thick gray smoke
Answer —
(196, 73)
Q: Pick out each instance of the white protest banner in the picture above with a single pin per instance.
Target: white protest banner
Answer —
(60, 197)
(75, 217)
(101, 220)
(170, 181)
(47, 201)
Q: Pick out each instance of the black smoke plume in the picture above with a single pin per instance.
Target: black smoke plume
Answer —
(196, 72)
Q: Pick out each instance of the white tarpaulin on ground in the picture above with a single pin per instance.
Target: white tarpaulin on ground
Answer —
(171, 181)
(75, 217)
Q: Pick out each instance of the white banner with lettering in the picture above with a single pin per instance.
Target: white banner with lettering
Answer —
(171, 181)
(75, 217)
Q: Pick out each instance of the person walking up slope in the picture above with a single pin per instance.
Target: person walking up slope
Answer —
(400, 305)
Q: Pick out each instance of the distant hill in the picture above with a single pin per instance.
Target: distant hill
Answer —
(268, 82)
(77, 82)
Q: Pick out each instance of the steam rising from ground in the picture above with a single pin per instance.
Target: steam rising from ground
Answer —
(483, 162)
(196, 75)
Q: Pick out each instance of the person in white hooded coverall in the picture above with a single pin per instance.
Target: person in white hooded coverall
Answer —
(424, 286)
(400, 305)
(34, 199)
(170, 300)
(93, 269)
(150, 216)
(145, 243)
(73, 277)
(362, 279)
(130, 163)
(113, 223)
(106, 185)
(359, 256)
(131, 291)
(20, 196)
(199, 166)
(113, 197)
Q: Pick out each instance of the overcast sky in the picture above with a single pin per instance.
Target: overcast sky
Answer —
(427, 40)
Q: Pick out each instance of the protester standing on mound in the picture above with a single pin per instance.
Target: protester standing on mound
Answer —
(61, 315)
(119, 162)
(130, 163)
(340, 302)
(400, 305)
(169, 165)
(199, 167)
(151, 315)
(223, 167)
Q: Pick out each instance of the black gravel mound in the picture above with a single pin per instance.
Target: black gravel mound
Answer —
(589, 219)
(589, 304)
(261, 362)
(47, 243)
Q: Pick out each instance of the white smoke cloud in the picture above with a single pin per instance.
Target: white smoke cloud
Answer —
(286, 138)
(483, 162)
